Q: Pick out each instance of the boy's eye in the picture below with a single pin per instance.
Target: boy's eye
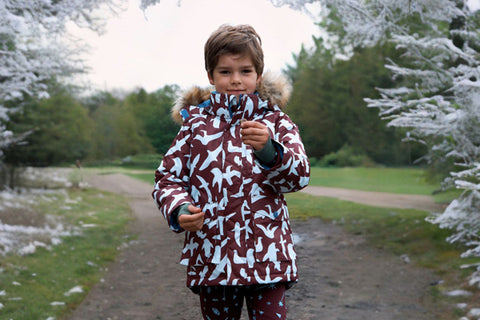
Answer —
(224, 72)
(247, 71)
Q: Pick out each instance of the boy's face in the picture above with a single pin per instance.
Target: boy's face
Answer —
(234, 74)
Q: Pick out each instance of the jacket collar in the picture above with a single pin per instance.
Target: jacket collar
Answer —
(274, 88)
(230, 107)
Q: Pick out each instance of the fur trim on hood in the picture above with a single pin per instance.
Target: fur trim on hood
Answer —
(272, 87)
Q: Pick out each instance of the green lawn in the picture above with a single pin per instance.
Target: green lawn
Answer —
(394, 180)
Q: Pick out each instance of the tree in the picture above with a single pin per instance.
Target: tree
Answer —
(61, 131)
(153, 113)
(438, 92)
(117, 132)
(327, 103)
(35, 47)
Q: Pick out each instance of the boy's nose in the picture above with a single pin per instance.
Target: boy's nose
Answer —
(235, 77)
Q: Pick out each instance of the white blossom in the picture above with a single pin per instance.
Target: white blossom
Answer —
(35, 46)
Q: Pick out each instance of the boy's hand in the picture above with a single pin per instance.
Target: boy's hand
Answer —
(254, 134)
(192, 222)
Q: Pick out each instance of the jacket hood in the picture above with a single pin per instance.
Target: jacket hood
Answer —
(274, 88)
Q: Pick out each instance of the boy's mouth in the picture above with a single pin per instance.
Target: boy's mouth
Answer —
(236, 92)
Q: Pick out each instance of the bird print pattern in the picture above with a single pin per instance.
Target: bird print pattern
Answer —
(246, 237)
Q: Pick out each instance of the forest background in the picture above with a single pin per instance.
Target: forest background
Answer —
(327, 103)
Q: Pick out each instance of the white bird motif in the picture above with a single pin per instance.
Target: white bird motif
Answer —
(237, 259)
(207, 247)
(229, 173)
(202, 274)
(267, 279)
(191, 246)
(205, 186)
(177, 167)
(178, 145)
(271, 254)
(231, 148)
(244, 274)
(217, 178)
(238, 231)
(194, 163)
(206, 138)
(269, 231)
(259, 245)
(212, 156)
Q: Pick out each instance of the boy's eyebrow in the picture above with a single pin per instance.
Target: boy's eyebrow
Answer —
(241, 67)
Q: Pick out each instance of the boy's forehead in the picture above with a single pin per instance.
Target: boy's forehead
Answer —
(243, 59)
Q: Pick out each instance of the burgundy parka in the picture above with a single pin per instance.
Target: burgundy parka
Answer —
(246, 237)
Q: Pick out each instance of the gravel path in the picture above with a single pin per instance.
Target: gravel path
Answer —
(342, 278)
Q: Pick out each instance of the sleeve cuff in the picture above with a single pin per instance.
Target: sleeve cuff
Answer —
(267, 155)
(181, 209)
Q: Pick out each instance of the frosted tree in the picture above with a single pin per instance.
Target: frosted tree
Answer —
(438, 92)
(35, 46)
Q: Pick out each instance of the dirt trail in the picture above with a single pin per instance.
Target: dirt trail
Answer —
(342, 278)
(378, 199)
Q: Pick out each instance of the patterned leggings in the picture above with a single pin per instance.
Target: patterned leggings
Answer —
(264, 302)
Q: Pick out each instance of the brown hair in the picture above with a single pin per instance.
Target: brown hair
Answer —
(227, 39)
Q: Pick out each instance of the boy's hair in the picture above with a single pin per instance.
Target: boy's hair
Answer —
(227, 39)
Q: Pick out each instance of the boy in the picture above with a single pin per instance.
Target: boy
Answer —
(222, 181)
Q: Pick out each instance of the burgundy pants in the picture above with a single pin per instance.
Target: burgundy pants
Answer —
(264, 302)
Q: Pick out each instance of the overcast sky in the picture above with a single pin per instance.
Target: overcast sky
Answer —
(164, 44)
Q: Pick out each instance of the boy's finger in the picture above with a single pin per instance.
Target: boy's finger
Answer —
(193, 217)
(194, 209)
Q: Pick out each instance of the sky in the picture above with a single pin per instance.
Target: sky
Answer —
(164, 44)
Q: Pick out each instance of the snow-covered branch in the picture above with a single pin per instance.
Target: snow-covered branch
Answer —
(35, 46)
(438, 93)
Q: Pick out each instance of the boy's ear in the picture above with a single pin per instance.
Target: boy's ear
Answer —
(210, 78)
(259, 79)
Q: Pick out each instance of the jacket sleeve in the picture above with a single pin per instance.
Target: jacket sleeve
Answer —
(172, 178)
(291, 171)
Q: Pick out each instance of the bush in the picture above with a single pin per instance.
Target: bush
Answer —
(139, 161)
(347, 156)
(144, 161)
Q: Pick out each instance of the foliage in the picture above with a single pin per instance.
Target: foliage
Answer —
(139, 123)
(60, 131)
(101, 127)
(153, 113)
(35, 46)
(347, 156)
(117, 132)
(327, 104)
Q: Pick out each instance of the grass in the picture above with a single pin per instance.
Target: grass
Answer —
(393, 180)
(33, 282)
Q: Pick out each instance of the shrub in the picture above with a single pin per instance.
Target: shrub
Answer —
(347, 156)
